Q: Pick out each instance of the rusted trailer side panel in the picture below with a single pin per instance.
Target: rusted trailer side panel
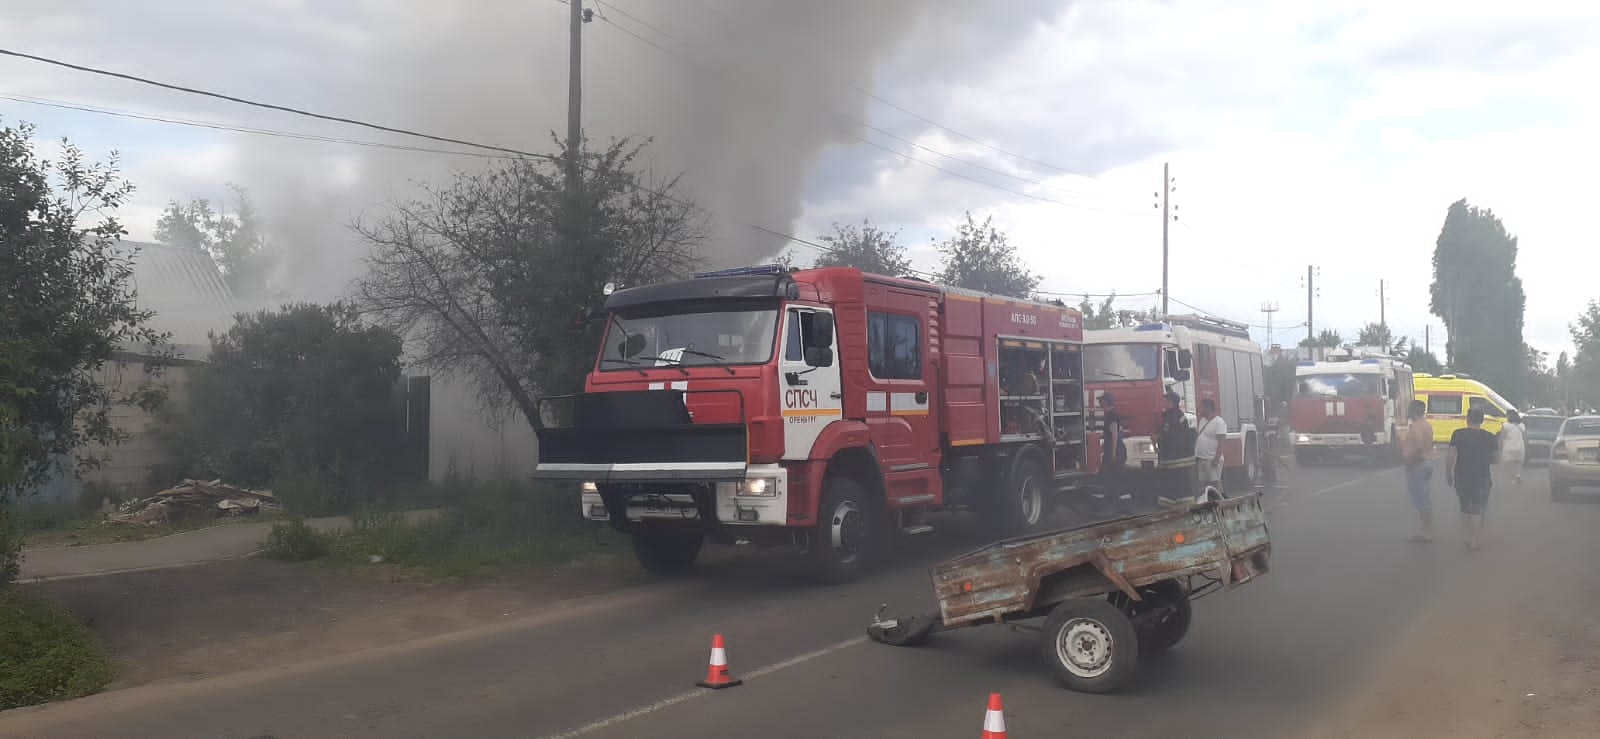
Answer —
(1019, 578)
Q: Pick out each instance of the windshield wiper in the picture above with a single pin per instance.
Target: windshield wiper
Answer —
(710, 356)
(627, 361)
(676, 364)
(1111, 374)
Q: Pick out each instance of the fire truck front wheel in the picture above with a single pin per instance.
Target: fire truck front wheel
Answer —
(842, 544)
(666, 551)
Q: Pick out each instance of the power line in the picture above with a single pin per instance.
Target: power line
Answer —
(881, 131)
(355, 122)
(267, 106)
(339, 119)
(64, 105)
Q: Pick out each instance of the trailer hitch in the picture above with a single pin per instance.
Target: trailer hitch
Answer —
(910, 631)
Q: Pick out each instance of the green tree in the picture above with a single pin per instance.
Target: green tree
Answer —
(65, 284)
(867, 248)
(1477, 293)
(1376, 334)
(1326, 338)
(483, 277)
(1422, 360)
(1107, 315)
(237, 240)
(1583, 376)
(306, 390)
(978, 257)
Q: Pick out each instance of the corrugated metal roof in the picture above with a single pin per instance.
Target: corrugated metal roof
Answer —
(186, 290)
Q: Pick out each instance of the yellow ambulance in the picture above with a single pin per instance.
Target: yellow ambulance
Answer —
(1450, 397)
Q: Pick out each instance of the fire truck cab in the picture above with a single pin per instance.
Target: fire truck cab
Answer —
(1198, 357)
(1352, 402)
(826, 408)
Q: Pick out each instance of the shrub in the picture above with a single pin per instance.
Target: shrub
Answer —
(45, 655)
(293, 541)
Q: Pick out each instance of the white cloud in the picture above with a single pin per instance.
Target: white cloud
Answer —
(1297, 136)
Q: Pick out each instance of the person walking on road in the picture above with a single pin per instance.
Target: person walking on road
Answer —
(1468, 469)
(1513, 447)
(1208, 445)
(1416, 450)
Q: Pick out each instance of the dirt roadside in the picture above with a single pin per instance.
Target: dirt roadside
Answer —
(213, 619)
(1510, 647)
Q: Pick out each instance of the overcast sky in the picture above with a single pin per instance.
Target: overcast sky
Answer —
(1296, 135)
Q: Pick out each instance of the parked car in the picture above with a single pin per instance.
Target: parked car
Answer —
(1541, 429)
(1575, 457)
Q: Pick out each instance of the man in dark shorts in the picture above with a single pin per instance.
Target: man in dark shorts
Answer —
(1467, 469)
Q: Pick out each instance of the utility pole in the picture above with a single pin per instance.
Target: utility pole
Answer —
(578, 17)
(1269, 308)
(1427, 337)
(1311, 332)
(1383, 321)
(1167, 219)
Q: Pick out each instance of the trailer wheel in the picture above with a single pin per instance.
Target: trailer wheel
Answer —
(666, 551)
(1091, 646)
(1162, 619)
(1024, 499)
(844, 539)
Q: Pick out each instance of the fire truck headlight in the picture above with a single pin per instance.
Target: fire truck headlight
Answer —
(759, 487)
(1303, 439)
(1147, 447)
(589, 487)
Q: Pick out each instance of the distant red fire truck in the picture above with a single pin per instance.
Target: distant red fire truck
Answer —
(1353, 403)
(826, 408)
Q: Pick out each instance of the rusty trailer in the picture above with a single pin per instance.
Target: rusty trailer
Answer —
(1107, 591)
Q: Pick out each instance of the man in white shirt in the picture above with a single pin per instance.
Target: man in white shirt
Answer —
(1208, 445)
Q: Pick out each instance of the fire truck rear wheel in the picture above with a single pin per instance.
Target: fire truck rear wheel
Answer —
(844, 540)
(665, 551)
(1024, 500)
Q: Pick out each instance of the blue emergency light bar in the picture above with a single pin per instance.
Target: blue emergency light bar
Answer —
(1369, 361)
(1152, 327)
(1305, 363)
(760, 269)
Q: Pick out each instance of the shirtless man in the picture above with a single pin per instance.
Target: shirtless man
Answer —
(1416, 448)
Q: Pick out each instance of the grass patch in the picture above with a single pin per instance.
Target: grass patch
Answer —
(45, 655)
(481, 530)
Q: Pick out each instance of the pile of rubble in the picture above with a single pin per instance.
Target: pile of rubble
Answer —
(196, 500)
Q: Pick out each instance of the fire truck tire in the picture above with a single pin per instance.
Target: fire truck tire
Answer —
(844, 540)
(667, 552)
(1090, 645)
(1243, 479)
(1024, 499)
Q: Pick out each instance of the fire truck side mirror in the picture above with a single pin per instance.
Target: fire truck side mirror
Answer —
(819, 356)
(1181, 375)
(1185, 360)
(822, 335)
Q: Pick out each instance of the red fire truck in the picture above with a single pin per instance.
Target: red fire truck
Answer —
(825, 408)
(1353, 402)
(1197, 357)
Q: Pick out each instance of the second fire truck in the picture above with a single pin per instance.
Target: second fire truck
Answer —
(1197, 357)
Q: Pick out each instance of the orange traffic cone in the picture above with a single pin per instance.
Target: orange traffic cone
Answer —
(717, 676)
(994, 721)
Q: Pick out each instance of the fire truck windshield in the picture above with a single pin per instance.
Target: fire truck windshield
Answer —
(1121, 362)
(1340, 384)
(700, 336)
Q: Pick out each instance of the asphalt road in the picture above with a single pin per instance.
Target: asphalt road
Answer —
(1263, 660)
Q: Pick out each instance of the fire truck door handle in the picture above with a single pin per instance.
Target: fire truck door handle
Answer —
(922, 397)
(836, 396)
